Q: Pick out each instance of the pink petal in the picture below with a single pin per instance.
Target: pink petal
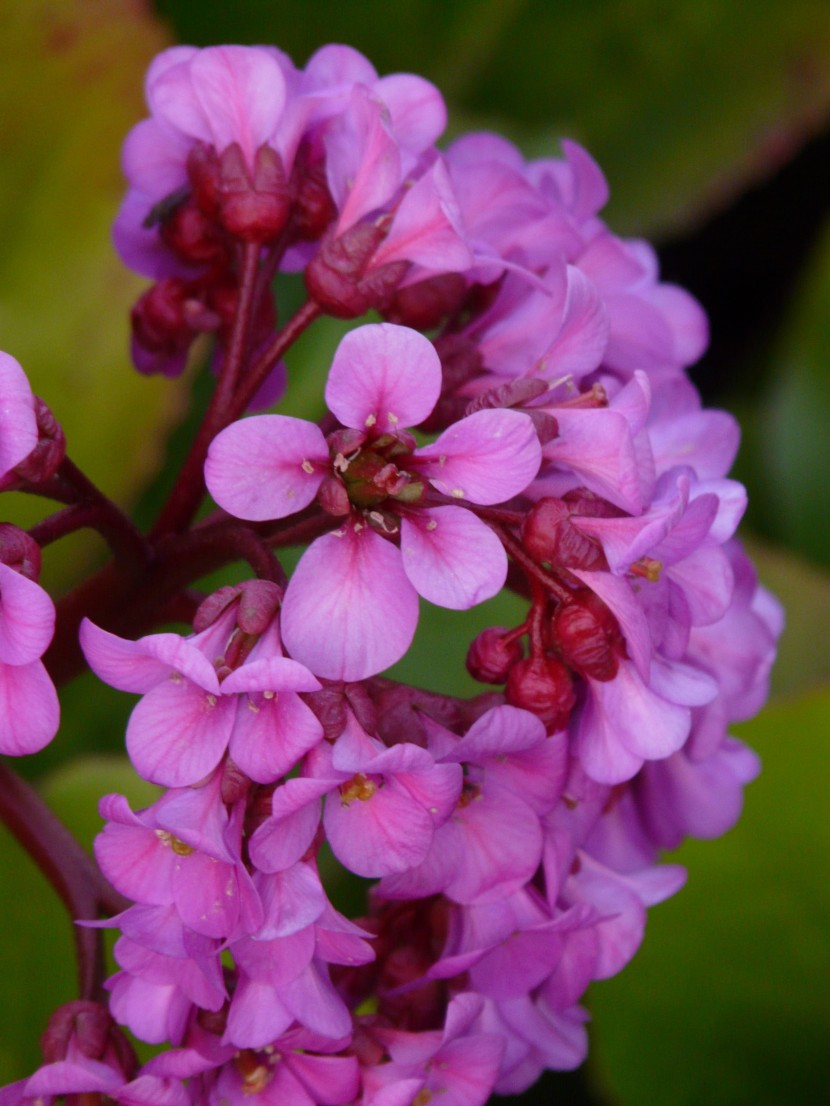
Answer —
(436, 548)
(389, 832)
(27, 618)
(597, 445)
(178, 733)
(138, 666)
(271, 735)
(349, 611)
(280, 842)
(267, 466)
(416, 107)
(29, 708)
(363, 160)
(487, 457)
(385, 377)
(18, 427)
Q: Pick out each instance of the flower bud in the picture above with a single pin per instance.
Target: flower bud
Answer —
(192, 236)
(425, 305)
(490, 657)
(585, 632)
(47, 456)
(542, 685)
(550, 538)
(335, 277)
(19, 551)
(255, 210)
(313, 208)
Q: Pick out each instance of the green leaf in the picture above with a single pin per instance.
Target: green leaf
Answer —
(37, 961)
(795, 451)
(71, 87)
(726, 1002)
(682, 104)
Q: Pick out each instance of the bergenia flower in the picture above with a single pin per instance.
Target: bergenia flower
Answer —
(18, 425)
(352, 605)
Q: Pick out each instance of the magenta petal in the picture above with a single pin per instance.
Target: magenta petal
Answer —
(271, 734)
(389, 832)
(18, 427)
(437, 548)
(349, 611)
(385, 377)
(177, 733)
(280, 841)
(270, 674)
(27, 618)
(65, 1077)
(267, 466)
(120, 663)
(29, 709)
(487, 457)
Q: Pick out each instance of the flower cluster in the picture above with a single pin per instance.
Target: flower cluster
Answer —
(545, 435)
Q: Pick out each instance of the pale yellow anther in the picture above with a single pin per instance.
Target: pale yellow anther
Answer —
(432, 524)
(371, 420)
(307, 466)
(457, 493)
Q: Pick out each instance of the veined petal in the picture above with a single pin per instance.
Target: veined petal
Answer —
(267, 466)
(29, 710)
(271, 734)
(18, 426)
(349, 611)
(138, 666)
(487, 457)
(385, 377)
(178, 732)
(452, 558)
(27, 618)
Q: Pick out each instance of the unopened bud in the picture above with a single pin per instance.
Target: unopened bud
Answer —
(585, 632)
(192, 236)
(19, 551)
(253, 209)
(490, 656)
(333, 497)
(47, 456)
(542, 685)
(550, 537)
(259, 604)
(313, 208)
(215, 605)
(426, 304)
(336, 277)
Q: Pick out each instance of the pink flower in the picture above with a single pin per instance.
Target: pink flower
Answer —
(18, 425)
(197, 701)
(29, 709)
(351, 607)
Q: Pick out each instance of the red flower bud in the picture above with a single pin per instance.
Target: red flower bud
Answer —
(490, 657)
(585, 633)
(542, 685)
(549, 537)
(47, 456)
(425, 305)
(335, 277)
(19, 551)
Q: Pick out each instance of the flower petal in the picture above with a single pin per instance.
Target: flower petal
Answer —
(385, 377)
(452, 558)
(349, 611)
(267, 466)
(487, 457)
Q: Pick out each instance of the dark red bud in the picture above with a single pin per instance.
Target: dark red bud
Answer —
(159, 318)
(235, 784)
(255, 210)
(585, 631)
(490, 657)
(19, 551)
(84, 1023)
(460, 360)
(204, 174)
(216, 604)
(549, 537)
(329, 707)
(192, 236)
(336, 277)
(542, 685)
(425, 305)
(313, 208)
(260, 602)
(47, 456)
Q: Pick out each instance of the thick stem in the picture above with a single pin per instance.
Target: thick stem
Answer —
(189, 489)
(281, 341)
(71, 871)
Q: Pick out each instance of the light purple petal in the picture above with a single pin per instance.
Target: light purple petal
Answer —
(267, 466)
(18, 426)
(178, 733)
(437, 545)
(487, 457)
(389, 832)
(270, 735)
(29, 709)
(349, 611)
(280, 841)
(138, 666)
(384, 377)
(27, 618)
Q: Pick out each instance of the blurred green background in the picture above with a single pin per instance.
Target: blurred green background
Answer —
(711, 119)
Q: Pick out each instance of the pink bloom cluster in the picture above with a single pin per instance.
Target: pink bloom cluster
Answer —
(546, 435)
(29, 712)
